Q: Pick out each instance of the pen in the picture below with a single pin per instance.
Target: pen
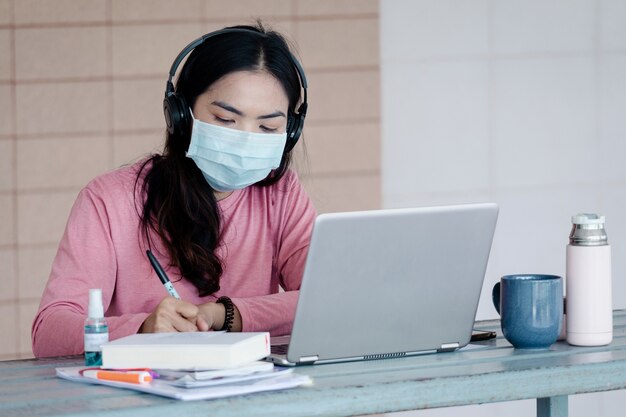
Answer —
(154, 374)
(134, 377)
(161, 274)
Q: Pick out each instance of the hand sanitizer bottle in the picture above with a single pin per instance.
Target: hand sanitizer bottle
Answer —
(96, 329)
(588, 283)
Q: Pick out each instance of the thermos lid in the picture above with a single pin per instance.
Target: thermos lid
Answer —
(588, 230)
(587, 218)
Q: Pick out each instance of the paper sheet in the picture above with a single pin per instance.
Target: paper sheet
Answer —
(188, 381)
(254, 367)
(279, 382)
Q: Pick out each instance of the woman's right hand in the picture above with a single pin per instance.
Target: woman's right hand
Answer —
(173, 315)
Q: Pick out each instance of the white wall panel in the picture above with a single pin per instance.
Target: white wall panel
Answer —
(533, 93)
(538, 26)
(441, 130)
(544, 121)
(437, 28)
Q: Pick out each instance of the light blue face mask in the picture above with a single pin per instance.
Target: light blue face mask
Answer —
(232, 159)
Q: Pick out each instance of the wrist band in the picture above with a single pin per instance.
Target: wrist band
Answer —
(229, 315)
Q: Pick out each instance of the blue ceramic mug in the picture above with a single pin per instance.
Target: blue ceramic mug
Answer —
(530, 308)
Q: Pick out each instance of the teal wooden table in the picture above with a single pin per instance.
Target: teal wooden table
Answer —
(496, 373)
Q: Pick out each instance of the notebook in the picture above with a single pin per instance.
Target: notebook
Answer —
(390, 283)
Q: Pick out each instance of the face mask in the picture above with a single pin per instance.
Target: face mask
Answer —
(231, 159)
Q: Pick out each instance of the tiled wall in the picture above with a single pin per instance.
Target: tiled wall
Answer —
(518, 102)
(81, 86)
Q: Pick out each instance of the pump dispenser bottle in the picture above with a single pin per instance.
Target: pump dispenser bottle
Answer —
(588, 283)
(96, 329)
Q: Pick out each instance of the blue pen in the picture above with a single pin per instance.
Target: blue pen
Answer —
(161, 274)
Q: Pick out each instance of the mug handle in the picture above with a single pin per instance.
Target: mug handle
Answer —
(495, 296)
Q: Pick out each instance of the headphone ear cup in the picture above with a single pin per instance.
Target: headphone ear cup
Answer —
(176, 112)
(289, 129)
(295, 124)
(292, 122)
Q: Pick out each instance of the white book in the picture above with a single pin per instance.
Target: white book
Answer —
(186, 350)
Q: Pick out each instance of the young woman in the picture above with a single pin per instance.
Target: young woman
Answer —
(220, 210)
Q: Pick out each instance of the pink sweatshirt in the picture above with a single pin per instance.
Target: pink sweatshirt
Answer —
(266, 233)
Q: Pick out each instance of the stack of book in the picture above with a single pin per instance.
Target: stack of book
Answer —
(189, 366)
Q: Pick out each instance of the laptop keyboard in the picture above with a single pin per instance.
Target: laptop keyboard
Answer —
(280, 349)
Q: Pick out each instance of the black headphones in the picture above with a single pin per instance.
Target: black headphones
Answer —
(176, 110)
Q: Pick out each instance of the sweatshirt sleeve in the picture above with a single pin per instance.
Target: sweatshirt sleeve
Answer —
(85, 259)
(275, 312)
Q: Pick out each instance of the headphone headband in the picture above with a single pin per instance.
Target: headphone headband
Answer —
(176, 110)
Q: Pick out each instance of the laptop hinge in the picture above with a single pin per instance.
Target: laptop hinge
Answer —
(448, 347)
(308, 359)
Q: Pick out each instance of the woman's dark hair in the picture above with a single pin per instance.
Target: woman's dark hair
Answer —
(178, 203)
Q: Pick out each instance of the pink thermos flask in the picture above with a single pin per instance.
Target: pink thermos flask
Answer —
(589, 301)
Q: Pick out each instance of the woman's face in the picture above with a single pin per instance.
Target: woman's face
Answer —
(252, 101)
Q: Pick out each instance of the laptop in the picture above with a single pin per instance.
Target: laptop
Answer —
(389, 283)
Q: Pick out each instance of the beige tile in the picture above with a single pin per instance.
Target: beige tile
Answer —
(34, 265)
(27, 311)
(338, 43)
(6, 164)
(62, 107)
(150, 49)
(340, 149)
(132, 147)
(146, 10)
(336, 7)
(6, 55)
(214, 26)
(6, 115)
(138, 104)
(281, 25)
(43, 163)
(42, 217)
(344, 95)
(8, 278)
(6, 12)
(59, 11)
(7, 219)
(344, 193)
(9, 327)
(60, 53)
(246, 9)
